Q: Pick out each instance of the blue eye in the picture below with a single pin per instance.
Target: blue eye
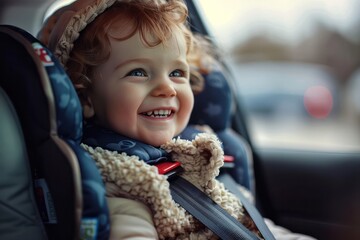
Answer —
(177, 73)
(137, 73)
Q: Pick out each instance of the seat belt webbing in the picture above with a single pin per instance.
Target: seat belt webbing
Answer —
(207, 211)
(231, 185)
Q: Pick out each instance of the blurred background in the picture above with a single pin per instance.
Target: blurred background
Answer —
(296, 67)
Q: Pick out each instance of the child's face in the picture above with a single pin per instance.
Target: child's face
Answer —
(144, 92)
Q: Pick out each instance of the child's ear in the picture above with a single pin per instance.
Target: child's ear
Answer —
(88, 107)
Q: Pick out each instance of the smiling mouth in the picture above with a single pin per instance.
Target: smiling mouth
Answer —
(158, 113)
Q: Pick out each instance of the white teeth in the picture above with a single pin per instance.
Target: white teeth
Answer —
(159, 113)
(164, 112)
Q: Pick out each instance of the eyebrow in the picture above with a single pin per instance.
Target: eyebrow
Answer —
(182, 63)
(135, 60)
(146, 60)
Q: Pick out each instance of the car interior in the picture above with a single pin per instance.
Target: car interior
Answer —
(314, 192)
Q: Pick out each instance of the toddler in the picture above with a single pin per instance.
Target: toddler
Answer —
(128, 62)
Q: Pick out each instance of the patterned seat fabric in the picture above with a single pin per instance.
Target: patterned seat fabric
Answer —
(68, 187)
(213, 107)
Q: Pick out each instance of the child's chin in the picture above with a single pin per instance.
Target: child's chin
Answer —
(158, 141)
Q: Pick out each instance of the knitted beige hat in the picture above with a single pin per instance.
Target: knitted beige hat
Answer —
(62, 28)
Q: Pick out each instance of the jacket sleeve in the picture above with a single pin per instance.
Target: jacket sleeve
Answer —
(281, 233)
(130, 220)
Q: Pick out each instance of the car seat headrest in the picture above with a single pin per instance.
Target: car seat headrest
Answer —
(63, 105)
(68, 113)
(213, 105)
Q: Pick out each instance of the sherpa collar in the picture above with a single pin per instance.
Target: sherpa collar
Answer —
(130, 177)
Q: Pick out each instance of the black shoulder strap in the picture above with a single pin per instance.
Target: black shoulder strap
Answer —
(207, 211)
(231, 185)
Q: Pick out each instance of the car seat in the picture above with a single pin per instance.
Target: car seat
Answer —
(49, 165)
(213, 107)
(74, 204)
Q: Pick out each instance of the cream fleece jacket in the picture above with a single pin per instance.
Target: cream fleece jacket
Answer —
(128, 178)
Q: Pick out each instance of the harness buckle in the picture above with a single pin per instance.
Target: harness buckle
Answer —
(169, 168)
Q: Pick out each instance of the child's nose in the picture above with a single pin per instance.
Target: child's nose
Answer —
(164, 89)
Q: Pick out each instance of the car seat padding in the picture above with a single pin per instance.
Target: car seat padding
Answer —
(50, 115)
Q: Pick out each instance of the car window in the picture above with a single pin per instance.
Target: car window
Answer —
(56, 5)
(294, 66)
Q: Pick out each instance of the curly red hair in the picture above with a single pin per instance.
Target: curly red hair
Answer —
(144, 16)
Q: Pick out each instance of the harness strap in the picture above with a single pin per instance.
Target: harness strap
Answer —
(231, 185)
(207, 211)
